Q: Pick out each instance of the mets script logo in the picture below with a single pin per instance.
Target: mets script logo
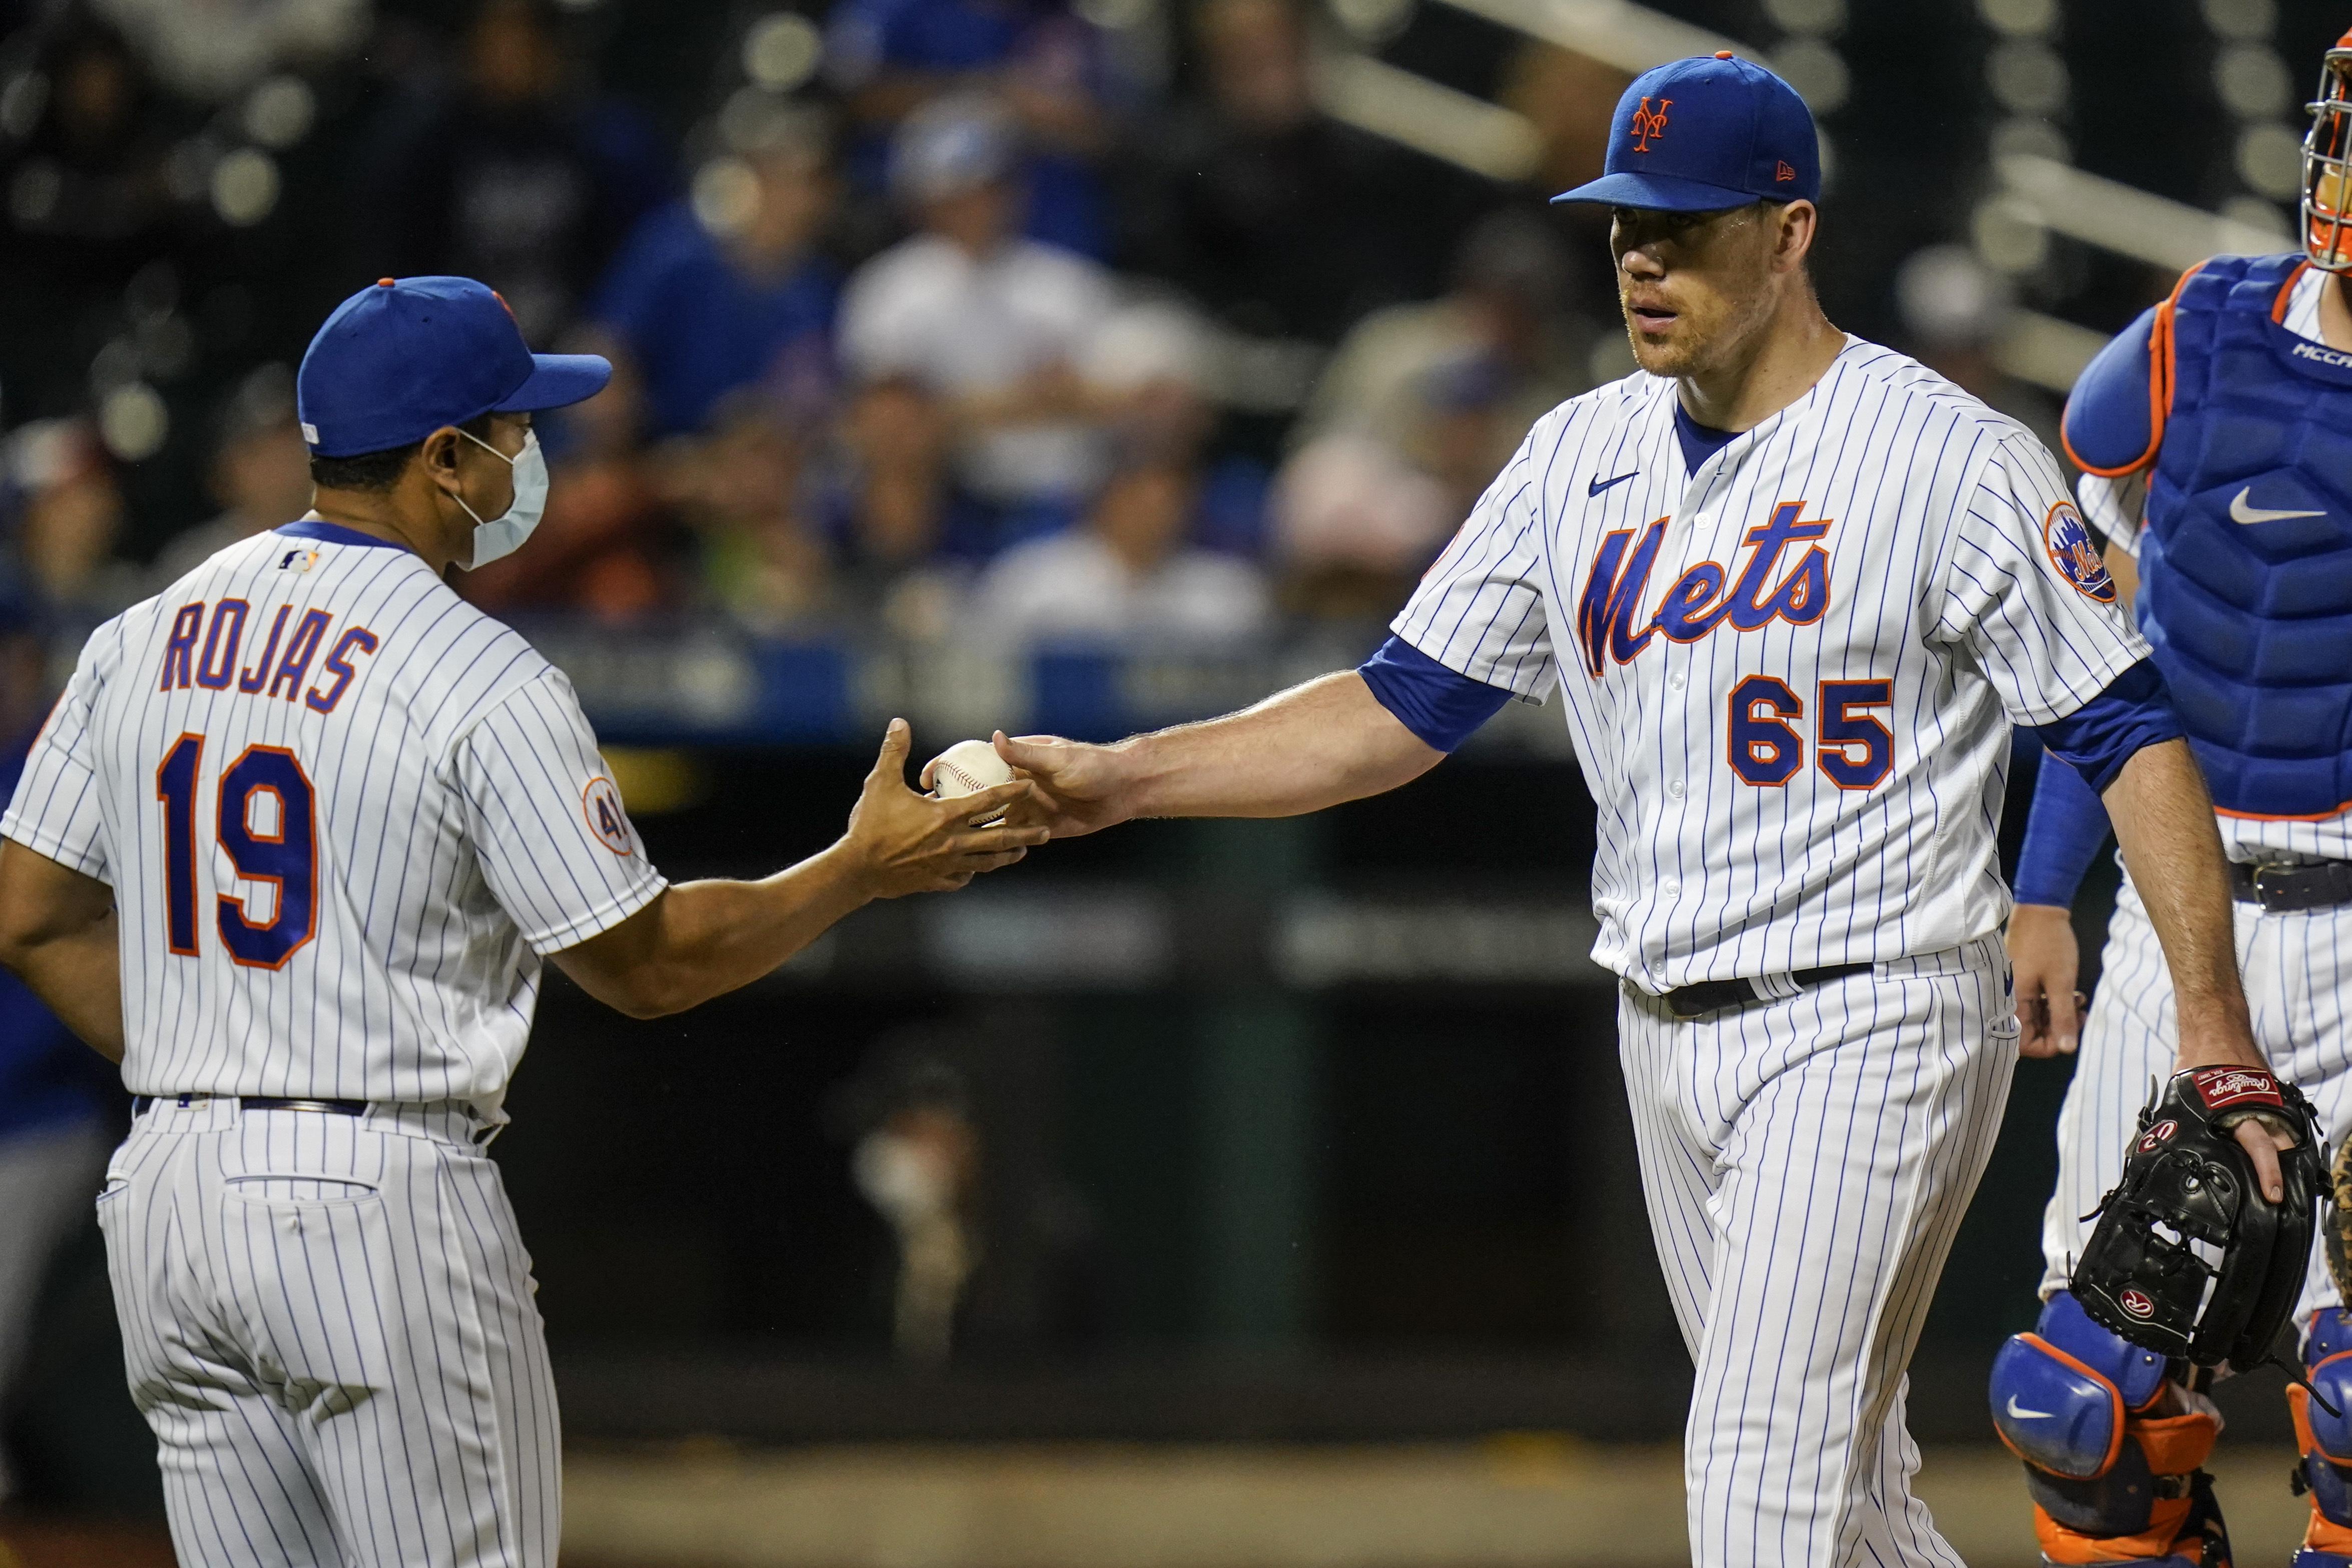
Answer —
(1609, 619)
(2157, 1136)
(2219, 1086)
(1648, 122)
(601, 804)
(2075, 554)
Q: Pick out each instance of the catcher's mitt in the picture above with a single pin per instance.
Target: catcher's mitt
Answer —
(2189, 1215)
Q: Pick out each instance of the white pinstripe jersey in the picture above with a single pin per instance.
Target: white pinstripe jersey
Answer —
(343, 812)
(1790, 676)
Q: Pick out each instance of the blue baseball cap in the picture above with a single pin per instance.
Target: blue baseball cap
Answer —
(397, 361)
(1701, 134)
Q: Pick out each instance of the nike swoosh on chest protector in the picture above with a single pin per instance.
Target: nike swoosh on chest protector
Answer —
(2242, 513)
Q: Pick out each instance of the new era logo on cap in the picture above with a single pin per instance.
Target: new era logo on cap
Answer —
(1702, 134)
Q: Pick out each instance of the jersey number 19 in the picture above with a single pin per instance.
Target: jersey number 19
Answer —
(267, 824)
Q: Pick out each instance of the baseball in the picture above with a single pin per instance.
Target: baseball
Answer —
(966, 768)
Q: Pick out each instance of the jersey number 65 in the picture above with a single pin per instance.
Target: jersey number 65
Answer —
(1857, 751)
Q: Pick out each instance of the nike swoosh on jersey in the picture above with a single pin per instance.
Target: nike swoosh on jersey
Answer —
(2023, 1414)
(1594, 486)
(2242, 513)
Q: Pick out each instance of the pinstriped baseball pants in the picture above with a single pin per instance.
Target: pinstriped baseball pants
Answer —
(328, 1323)
(2297, 970)
(1807, 1163)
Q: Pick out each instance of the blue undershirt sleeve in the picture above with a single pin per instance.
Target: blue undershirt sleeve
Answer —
(2099, 736)
(1440, 705)
(2065, 830)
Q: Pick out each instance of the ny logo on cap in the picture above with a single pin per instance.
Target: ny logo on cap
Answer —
(1648, 122)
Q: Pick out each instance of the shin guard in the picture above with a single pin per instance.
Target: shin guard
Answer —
(2323, 1442)
(2112, 1481)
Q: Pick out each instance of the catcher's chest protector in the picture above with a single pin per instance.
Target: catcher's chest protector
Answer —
(2246, 559)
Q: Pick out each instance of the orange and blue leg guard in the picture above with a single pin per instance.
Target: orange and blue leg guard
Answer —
(2324, 1440)
(2112, 1449)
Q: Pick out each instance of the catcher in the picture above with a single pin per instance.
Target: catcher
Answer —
(2212, 434)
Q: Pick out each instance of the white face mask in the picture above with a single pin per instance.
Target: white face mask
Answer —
(503, 535)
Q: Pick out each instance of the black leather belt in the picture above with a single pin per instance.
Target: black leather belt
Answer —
(2282, 889)
(1714, 996)
(140, 1102)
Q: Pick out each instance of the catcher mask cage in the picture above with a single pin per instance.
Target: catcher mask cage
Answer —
(2327, 165)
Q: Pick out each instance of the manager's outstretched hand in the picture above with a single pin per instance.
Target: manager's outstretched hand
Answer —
(700, 940)
(904, 843)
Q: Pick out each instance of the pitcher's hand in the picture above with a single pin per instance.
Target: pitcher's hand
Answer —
(1077, 788)
(2261, 1135)
(2262, 1140)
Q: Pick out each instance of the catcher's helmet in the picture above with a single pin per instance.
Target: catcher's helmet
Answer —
(2327, 165)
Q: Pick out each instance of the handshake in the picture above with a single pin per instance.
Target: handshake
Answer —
(989, 804)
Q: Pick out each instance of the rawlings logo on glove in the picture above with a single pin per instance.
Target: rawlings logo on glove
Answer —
(2219, 1086)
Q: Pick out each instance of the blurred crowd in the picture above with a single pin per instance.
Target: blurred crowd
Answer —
(964, 323)
(990, 322)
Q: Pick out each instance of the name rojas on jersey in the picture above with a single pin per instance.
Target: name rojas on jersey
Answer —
(1788, 674)
(220, 624)
(344, 814)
